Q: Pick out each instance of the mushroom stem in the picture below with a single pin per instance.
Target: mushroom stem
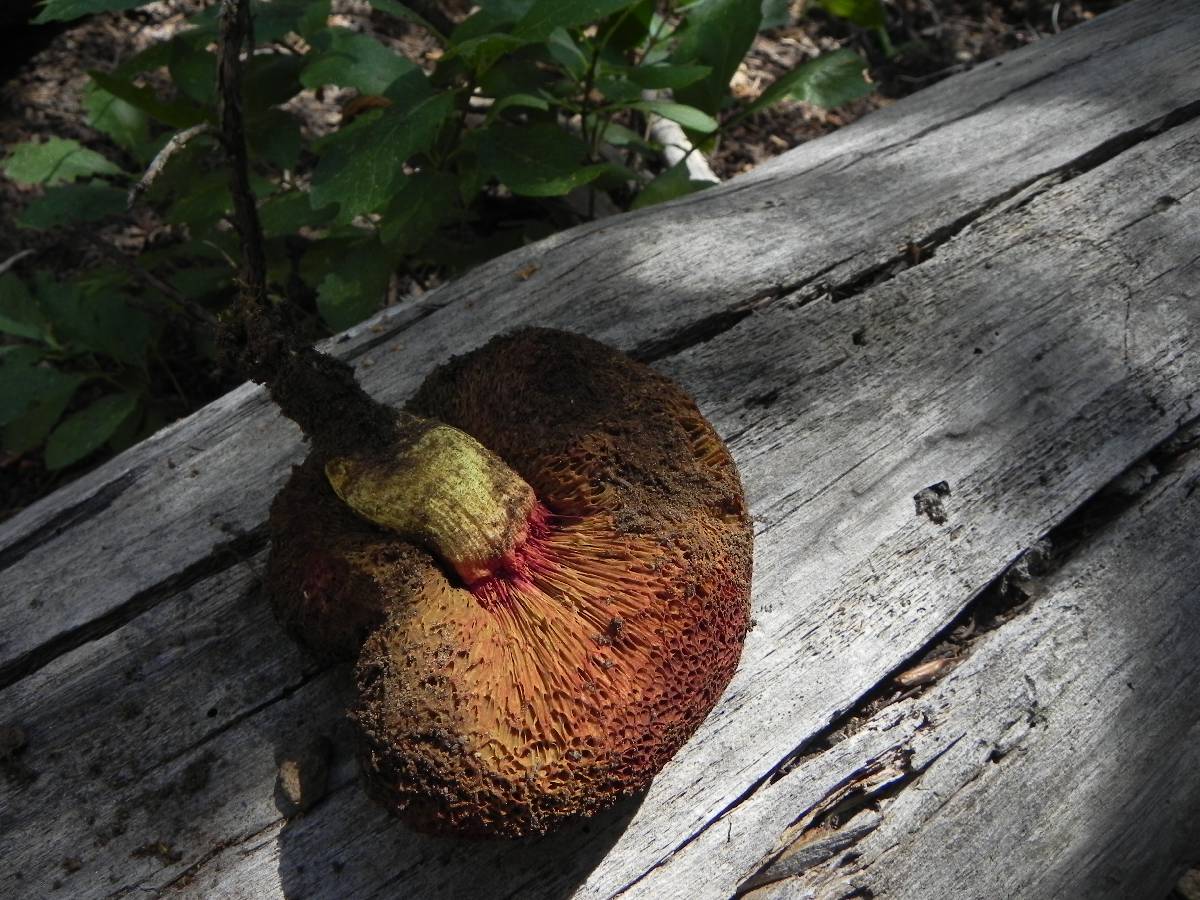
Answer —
(443, 488)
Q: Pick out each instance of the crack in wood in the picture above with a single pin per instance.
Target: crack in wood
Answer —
(182, 879)
(1012, 592)
(921, 250)
(843, 817)
(91, 505)
(241, 717)
(704, 330)
(387, 332)
(927, 592)
(971, 113)
(221, 557)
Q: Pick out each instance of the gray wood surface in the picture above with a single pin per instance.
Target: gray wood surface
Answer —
(1041, 343)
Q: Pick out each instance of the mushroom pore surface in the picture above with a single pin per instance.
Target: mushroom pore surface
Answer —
(570, 674)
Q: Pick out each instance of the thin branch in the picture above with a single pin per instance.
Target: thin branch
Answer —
(173, 146)
(317, 392)
(235, 27)
(676, 146)
(14, 259)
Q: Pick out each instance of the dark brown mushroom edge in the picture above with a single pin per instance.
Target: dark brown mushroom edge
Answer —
(506, 696)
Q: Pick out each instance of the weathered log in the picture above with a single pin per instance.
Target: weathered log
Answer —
(992, 284)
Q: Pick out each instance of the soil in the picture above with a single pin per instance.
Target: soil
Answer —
(43, 70)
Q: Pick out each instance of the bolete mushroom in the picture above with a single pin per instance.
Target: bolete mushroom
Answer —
(545, 582)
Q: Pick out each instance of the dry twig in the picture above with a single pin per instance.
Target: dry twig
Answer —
(173, 146)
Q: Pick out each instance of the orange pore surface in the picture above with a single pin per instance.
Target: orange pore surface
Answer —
(566, 680)
(570, 676)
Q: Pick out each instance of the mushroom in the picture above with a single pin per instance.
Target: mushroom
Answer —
(545, 583)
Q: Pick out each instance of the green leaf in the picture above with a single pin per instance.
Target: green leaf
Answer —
(205, 199)
(273, 19)
(537, 161)
(718, 34)
(483, 52)
(362, 165)
(287, 213)
(618, 90)
(130, 431)
(566, 53)
(85, 431)
(178, 114)
(516, 74)
(122, 121)
(867, 13)
(64, 10)
(96, 320)
(687, 116)
(153, 57)
(408, 91)
(672, 183)
(193, 70)
(202, 281)
(20, 314)
(527, 101)
(21, 355)
(546, 15)
(355, 61)
(424, 203)
(626, 32)
(403, 12)
(31, 427)
(827, 81)
(619, 136)
(274, 136)
(775, 14)
(271, 79)
(23, 383)
(56, 161)
(489, 18)
(471, 177)
(351, 278)
(666, 76)
(343, 303)
(73, 204)
(18, 387)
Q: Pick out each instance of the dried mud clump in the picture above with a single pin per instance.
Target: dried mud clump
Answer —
(566, 672)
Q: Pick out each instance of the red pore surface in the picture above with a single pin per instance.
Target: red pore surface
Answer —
(571, 676)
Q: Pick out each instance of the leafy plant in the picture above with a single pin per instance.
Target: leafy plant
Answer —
(435, 167)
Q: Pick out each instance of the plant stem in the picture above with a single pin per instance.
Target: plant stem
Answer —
(316, 391)
(235, 26)
(585, 106)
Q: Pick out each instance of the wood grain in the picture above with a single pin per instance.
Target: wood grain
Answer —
(1043, 340)
(647, 282)
(1060, 758)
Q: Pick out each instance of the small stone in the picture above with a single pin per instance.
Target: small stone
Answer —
(1189, 885)
(303, 777)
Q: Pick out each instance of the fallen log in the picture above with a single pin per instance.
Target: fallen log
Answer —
(991, 285)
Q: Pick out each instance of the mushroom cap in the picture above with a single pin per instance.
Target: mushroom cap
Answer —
(567, 679)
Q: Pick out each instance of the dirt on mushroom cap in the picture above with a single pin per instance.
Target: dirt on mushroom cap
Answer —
(571, 678)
